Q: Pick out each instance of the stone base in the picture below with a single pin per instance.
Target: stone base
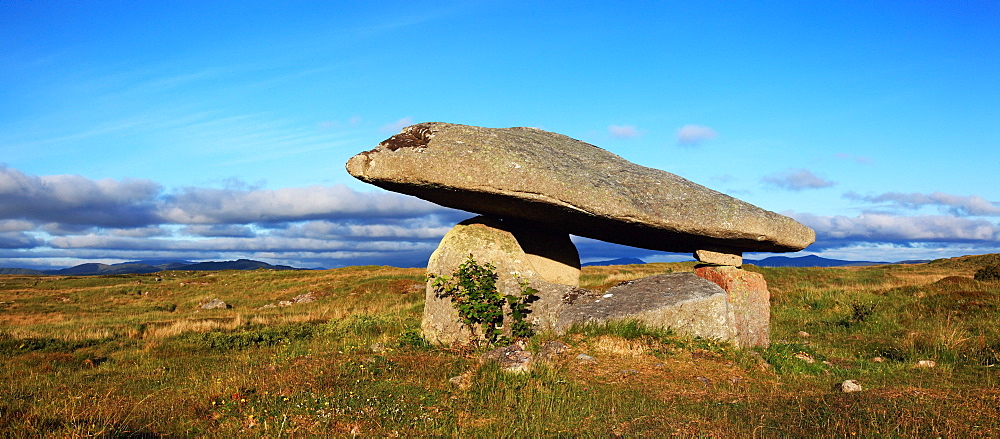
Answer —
(519, 253)
(749, 303)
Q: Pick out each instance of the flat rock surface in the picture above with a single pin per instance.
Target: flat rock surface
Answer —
(683, 302)
(539, 176)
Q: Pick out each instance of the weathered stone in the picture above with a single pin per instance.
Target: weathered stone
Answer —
(847, 386)
(719, 258)
(511, 358)
(683, 302)
(548, 260)
(216, 304)
(551, 179)
(749, 303)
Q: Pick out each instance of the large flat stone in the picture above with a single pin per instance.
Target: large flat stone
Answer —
(569, 185)
(682, 302)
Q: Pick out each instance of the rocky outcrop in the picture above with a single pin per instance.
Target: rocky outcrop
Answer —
(534, 188)
(569, 185)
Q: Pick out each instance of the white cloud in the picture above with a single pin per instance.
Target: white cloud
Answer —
(213, 206)
(397, 126)
(76, 200)
(623, 131)
(796, 180)
(882, 228)
(954, 204)
(691, 135)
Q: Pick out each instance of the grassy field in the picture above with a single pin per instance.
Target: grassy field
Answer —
(135, 356)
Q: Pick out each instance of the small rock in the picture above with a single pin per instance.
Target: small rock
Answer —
(463, 381)
(733, 258)
(511, 358)
(878, 360)
(584, 358)
(704, 380)
(803, 334)
(805, 357)
(305, 298)
(216, 304)
(847, 386)
(926, 364)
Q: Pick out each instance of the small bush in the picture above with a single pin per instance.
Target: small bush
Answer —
(989, 273)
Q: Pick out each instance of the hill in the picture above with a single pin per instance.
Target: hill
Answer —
(807, 261)
(145, 267)
(619, 261)
(20, 271)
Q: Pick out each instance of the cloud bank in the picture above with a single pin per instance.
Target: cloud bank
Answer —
(46, 217)
(56, 221)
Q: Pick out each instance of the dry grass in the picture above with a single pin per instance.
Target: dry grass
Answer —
(134, 356)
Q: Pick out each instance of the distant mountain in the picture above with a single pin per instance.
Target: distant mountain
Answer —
(153, 266)
(807, 261)
(21, 271)
(619, 261)
(241, 264)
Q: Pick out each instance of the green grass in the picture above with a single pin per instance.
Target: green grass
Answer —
(119, 356)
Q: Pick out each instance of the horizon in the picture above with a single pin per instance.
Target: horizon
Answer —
(219, 131)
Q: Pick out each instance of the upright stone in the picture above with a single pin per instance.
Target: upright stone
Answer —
(518, 253)
(749, 303)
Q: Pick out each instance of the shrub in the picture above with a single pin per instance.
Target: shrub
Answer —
(474, 294)
(988, 273)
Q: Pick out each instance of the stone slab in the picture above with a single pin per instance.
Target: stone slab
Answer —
(683, 302)
(569, 185)
(718, 258)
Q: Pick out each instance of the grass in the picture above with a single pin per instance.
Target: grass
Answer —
(134, 356)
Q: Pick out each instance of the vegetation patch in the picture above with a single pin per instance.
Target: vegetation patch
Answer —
(108, 357)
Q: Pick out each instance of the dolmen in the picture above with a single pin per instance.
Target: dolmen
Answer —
(533, 189)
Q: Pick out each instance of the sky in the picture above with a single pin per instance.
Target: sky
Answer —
(142, 130)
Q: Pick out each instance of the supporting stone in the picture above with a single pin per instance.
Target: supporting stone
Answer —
(734, 259)
(749, 303)
(518, 252)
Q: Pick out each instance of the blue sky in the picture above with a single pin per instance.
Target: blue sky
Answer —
(219, 130)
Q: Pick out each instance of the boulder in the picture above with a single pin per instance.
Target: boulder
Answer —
(571, 186)
(749, 302)
(546, 259)
(683, 302)
(216, 304)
